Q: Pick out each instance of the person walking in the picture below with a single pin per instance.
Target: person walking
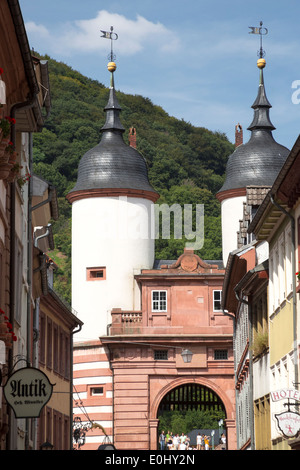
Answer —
(176, 441)
(162, 439)
(199, 441)
(223, 441)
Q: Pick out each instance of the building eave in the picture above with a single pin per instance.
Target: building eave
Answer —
(268, 216)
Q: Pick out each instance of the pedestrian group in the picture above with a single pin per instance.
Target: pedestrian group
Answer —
(172, 441)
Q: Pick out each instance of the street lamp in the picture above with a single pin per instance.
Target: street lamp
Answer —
(186, 355)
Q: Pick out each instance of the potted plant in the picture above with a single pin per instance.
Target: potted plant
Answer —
(5, 125)
(15, 171)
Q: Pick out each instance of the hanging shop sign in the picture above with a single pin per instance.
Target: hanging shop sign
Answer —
(27, 391)
(288, 423)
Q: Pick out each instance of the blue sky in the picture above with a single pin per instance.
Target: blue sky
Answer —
(194, 58)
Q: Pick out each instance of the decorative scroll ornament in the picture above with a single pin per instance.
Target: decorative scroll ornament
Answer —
(113, 37)
(262, 32)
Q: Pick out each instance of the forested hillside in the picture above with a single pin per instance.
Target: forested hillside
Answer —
(186, 163)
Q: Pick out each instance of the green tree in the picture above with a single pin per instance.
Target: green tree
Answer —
(186, 164)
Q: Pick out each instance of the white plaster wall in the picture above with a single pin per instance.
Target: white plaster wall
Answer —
(109, 232)
(261, 371)
(232, 213)
(297, 266)
(262, 252)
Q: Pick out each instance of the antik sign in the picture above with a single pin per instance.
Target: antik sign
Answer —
(27, 391)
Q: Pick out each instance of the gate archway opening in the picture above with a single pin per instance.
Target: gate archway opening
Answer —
(191, 396)
(190, 407)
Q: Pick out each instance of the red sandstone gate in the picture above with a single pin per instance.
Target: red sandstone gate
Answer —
(196, 394)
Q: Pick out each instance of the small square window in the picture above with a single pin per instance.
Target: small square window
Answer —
(161, 355)
(96, 274)
(97, 391)
(221, 354)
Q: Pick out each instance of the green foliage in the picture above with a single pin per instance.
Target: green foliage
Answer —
(185, 421)
(192, 195)
(186, 164)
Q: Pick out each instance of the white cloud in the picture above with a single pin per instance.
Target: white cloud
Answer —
(37, 29)
(84, 36)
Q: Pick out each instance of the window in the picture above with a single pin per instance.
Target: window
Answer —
(289, 278)
(42, 338)
(96, 274)
(217, 300)
(49, 343)
(97, 391)
(161, 355)
(18, 280)
(159, 301)
(55, 347)
(281, 272)
(220, 354)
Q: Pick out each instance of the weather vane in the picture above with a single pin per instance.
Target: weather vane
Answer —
(113, 37)
(262, 32)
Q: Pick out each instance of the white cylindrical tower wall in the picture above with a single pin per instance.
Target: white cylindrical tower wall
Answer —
(231, 213)
(112, 235)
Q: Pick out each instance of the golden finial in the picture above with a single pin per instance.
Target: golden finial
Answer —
(111, 66)
(261, 63)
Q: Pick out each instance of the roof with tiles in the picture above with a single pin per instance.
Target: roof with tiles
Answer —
(258, 161)
(112, 164)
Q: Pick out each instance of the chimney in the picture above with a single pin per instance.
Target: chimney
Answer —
(238, 135)
(132, 137)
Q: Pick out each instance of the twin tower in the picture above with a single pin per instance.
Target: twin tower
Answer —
(112, 204)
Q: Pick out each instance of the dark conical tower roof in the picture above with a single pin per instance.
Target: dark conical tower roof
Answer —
(112, 164)
(258, 162)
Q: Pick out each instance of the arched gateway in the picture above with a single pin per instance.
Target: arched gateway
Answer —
(190, 394)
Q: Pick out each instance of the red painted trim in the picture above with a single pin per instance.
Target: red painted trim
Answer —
(106, 192)
(230, 193)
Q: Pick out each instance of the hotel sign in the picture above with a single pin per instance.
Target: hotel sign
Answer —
(288, 422)
(285, 394)
(27, 391)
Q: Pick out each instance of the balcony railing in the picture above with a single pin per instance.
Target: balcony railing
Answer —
(125, 322)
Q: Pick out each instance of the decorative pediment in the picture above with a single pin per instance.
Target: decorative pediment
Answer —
(189, 262)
